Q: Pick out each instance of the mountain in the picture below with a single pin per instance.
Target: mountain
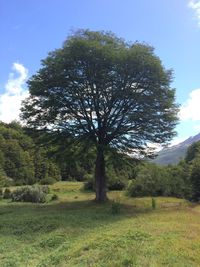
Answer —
(172, 155)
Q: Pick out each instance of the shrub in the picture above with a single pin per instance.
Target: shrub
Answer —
(48, 181)
(153, 180)
(7, 193)
(33, 194)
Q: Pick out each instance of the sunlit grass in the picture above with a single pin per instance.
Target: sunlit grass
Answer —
(75, 231)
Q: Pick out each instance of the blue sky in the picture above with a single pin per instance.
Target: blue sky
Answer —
(30, 29)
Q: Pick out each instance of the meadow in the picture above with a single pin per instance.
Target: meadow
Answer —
(75, 231)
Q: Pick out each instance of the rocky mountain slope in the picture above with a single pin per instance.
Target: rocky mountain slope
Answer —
(172, 155)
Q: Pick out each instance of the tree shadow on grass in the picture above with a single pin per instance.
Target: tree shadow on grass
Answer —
(26, 219)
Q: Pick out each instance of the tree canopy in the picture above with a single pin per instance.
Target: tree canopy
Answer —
(106, 90)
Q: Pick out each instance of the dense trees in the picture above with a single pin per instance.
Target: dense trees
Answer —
(100, 88)
(193, 161)
(28, 157)
(21, 161)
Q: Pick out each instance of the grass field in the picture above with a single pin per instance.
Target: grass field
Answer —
(75, 231)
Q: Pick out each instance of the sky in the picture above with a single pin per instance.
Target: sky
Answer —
(30, 29)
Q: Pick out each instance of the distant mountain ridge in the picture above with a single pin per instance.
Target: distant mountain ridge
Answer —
(172, 155)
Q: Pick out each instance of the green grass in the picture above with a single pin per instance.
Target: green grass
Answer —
(75, 231)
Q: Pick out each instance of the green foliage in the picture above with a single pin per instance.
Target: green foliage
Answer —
(180, 184)
(110, 68)
(192, 152)
(154, 180)
(151, 180)
(195, 179)
(33, 194)
(7, 193)
(4, 179)
(21, 161)
(192, 160)
(106, 91)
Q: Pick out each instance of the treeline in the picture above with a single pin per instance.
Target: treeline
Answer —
(21, 160)
(29, 157)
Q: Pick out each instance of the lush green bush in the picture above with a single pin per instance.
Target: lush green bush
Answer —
(154, 180)
(33, 194)
(150, 181)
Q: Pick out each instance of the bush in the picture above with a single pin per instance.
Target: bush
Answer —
(33, 194)
(153, 180)
(7, 193)
(48, 181)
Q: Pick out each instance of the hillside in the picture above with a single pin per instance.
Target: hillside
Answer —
(174, 154)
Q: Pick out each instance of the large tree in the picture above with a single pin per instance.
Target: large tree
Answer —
(104, 89)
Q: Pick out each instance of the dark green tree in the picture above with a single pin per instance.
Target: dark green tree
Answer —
(108, 91)
(192, 152)
(195, 179)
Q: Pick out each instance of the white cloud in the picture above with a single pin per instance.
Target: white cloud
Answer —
(191, 109)
(15, 92)
(195, 5)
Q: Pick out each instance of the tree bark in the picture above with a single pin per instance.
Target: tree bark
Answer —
(100, 177)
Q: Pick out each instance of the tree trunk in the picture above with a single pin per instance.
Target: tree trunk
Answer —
(100, 177)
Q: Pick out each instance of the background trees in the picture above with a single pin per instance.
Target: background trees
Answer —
(21, 161)
(103, 89)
